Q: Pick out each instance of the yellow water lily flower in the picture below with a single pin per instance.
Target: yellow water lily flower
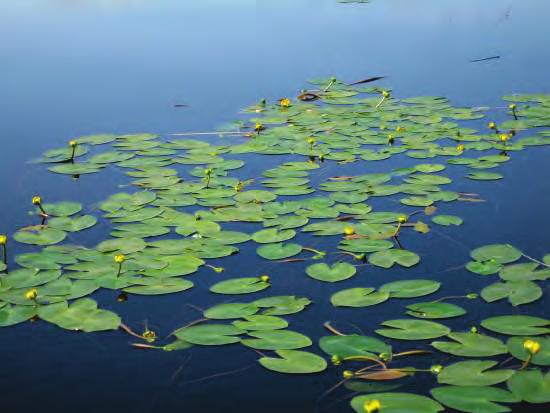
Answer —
(149, 335)
(31, 294)
(348, 374)
(391, 139)
(336, 360)
(349, 231)
(385, 94)
(120, 258)
(460, 147)
(73, 144)
(532, 346)
(264, 278)
(504, 137)
(311, 141)
(492, 125)
(400, 129)
(284, 102)
(372, 406)
(3, 239)
(436, 369)
(208, 172)
(258, 127)
(402, 219)
(512, 106)
(36, 200)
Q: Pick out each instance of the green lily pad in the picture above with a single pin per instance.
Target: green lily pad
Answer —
(474, 399)
(397, 403)
(358, 297)
(517, 325)
(294, 362)
(81, 315)
(435, 310)
(353, 345)
(387, 259)
(210, 334)
(410, 288)
(447, 220)
(473, 373)
(40, 236)
(73, 224)
(276, 340)
(337, 272)
(412, 329)
(260, 322)
(471, 345)
(279, 251)
(499, 253)
(517, 292)
(240, 286)
(531, 386)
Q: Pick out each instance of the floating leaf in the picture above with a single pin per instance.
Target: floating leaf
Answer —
(337, 272)
(358, 297)
(398, 403)
(471, 345)
(474, 399)
(410, 288)
(412, 329)
(517, 325)
(386, 259)
(240, 286)
(210, 334)
(294, 362)
(473, 373)
(81, 315)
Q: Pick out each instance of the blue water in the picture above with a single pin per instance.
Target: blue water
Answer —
(70, 68)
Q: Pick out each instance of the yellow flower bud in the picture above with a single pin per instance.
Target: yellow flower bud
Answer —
(436, 369)
(258, 126)
(264, 278)
(460, 147)
(336, 360)
(3, 239)
(311, 141)
(385, 94)
(492, 125)
(402, 219)
(36, 200)
(349, 231)
(504, 137)
(120, 258)
(400, 129)
(73, 143)
(372, 406)
(348, 374)
(284, 103)
(391, 139)
(532, 346)
(208, 172)
(512, 106)
(219, 269)
(31, 294)
(149, 336)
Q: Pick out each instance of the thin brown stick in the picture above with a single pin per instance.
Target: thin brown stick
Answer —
(330, 328)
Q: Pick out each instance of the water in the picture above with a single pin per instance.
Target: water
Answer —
(70, 68)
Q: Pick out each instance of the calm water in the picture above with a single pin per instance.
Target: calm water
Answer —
(72, 67)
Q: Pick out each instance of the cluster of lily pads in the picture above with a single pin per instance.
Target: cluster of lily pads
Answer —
(187, 195)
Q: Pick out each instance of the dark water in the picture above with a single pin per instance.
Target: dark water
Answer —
(72, 67)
